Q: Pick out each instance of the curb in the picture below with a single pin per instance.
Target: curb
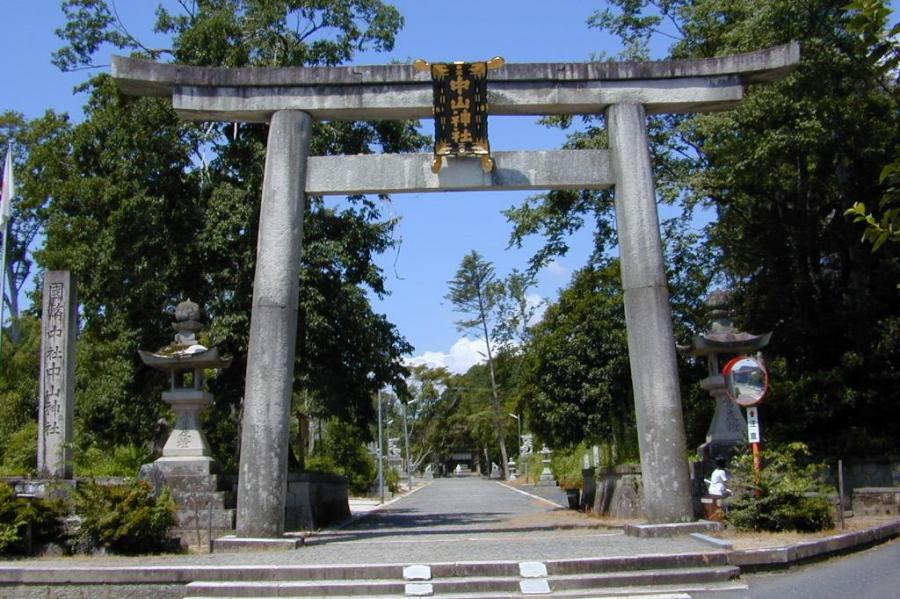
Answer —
(776, 558)
(357, 517)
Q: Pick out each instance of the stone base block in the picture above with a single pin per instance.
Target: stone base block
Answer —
(232, 544)
(876, 501)
(672, 529)
(221, 518)
(188, 537)
(186, 466)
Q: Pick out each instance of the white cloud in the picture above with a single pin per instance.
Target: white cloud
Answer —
(557, 269)
(537, 303)
(464, 354)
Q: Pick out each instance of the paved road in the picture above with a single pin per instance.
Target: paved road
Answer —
(472, 519)
(451, 519)
(872, 574)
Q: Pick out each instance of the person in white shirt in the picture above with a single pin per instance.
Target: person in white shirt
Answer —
(718, 479)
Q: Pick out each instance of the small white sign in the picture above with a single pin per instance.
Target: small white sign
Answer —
(753, 435)
(753, 416)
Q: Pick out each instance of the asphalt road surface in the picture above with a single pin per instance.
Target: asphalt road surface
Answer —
(871, 574)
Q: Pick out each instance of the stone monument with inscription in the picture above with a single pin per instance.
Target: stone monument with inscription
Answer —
(56, 402)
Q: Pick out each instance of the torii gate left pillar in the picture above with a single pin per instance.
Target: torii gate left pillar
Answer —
(265, 430)
(288, 99)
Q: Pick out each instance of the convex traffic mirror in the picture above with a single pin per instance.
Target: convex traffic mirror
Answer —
(746, 380)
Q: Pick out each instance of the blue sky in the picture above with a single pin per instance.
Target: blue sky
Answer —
(436, 230)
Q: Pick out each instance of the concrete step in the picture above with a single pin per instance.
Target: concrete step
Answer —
(674, 578)
(707, 591)
(597, 565)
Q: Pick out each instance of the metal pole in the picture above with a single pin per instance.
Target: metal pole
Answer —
(3, 278)
(406, 440)
(380, 452)
(756, 446)
(519, 421)
(841, 492)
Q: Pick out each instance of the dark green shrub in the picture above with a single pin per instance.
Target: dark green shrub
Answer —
(124, 518)
(566, 467)
(44, 517)
(392, 479)
(788, 495)
(343, 452)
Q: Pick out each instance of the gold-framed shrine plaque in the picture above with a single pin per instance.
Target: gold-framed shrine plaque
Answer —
(460, 110)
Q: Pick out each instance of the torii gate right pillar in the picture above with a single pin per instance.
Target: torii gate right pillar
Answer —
(648, 318)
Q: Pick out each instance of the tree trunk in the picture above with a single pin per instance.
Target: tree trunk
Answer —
(495, 396)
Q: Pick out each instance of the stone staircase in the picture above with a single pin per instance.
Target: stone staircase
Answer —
(654, 576)
(203, 506)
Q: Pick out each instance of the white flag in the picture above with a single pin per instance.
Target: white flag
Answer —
(9, 189)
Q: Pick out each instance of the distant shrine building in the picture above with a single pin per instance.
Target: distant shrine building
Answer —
(290, 99)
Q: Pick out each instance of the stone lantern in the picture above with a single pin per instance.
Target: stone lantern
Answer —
(186, 451)
(546, 474)
(728, 427)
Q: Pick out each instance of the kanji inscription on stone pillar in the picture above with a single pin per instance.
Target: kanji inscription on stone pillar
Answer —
(57, 377)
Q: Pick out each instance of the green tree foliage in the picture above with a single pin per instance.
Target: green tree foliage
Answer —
(343, 451)
(147, 210)
(871, 21)
(779, 171)
(575, 380)
(19, 378)
(476, 292)
(26, 139)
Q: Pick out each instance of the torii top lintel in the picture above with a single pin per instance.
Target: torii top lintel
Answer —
(391, 92)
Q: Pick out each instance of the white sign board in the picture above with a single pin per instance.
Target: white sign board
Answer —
(753, 435)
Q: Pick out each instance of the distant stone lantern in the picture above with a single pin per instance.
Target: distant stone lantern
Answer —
(728, 427)
(546, 474)
(185, 359)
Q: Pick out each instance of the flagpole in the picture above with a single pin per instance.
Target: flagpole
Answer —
(3, 284)
(7, 192)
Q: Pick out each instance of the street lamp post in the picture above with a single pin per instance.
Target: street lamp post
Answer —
(519, 422)
(380, 452)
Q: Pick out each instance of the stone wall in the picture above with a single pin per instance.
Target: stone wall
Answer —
(859, 474)
(619, 492)
(876, 501)
(315, 500)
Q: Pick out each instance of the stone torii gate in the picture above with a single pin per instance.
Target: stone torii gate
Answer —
(290, 99)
